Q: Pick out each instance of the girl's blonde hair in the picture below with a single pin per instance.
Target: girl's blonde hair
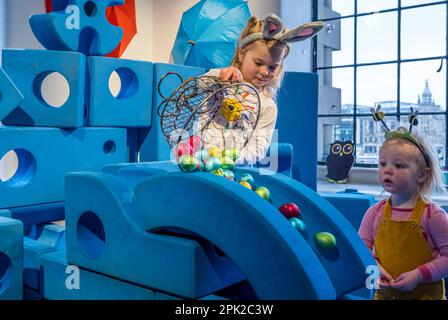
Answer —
(255, 25)
(435, 180)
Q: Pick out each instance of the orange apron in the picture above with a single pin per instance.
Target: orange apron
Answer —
(401, 247)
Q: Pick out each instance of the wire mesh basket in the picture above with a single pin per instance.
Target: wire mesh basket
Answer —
(219, 113)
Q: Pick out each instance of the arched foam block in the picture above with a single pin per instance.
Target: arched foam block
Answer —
(346, 264)
(277, 261)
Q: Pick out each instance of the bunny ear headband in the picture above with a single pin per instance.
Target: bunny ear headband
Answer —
(401, 132)
(273, 29)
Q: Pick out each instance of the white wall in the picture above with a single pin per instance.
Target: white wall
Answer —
(158, 22)
(2, 23)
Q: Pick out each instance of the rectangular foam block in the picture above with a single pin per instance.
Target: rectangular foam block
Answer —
(352, 206)
(153, 145)
(297, 123)
(37, 214)
(51, 239)
(10, 95)
(11, 259)
(45, 155)
(92, 286)
(28, 69)
(131, 107)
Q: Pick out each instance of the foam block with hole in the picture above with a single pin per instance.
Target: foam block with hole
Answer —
(45, 155)
(105, 234)
(78, 25)
(153, 145)
(28, 69)
(60, 283)
(51, 239)
(10, 95)
(133, 103)
(11, 259)
(278, 262)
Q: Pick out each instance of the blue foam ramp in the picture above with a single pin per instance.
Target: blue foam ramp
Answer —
(28, 69)
(45, 155)
(78, 25)
(10, 95)
(11, 259)
(346, 263)
(38, 214)
(153, 145)
(132, 106)
(105, 234)
(297, 123)
(51, 239)
(352, 206)
(92, 286)
(277, 261)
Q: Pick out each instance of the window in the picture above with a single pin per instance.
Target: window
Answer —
(387, 52)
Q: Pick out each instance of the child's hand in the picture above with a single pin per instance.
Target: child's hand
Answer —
(231, 73)
(385, 278)
(407, 281)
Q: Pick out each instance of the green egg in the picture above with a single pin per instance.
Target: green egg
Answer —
(325, 240)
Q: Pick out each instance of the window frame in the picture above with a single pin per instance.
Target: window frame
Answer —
(398, 114)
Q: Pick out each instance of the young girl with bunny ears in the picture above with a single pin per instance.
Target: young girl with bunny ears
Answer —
(262, 47)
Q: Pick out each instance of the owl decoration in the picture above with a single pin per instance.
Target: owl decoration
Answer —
(340, 161)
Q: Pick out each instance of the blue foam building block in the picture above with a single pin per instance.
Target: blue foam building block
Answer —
(132, 106)
(11, 259)
(92, 286)
(105, 234)
(78, 25)
(38, 214)
(297, 123)
(28, 69)
(45, 155)
(10, 95)
(352, 206)
(346, 263)
(153, 144)
(51, 239)
(276, 259)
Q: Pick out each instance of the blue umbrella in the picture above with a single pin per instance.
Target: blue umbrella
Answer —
(208, 33)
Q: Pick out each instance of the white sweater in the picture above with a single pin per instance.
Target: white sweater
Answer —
(260, 139)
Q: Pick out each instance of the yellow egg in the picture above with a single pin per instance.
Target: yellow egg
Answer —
(231, 109)
(246, 184)
(214, 152)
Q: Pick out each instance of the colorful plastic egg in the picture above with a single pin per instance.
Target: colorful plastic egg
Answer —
(290, 210)
(246, 184)
(229, 174)
(263, 192)
(202, 155)
(247, 177)
(231, 153)
(298, 224)
(218, 172)
(325, 240)
(227, 163)
(182, 149)
(195, 143)
(214, 152)
(189, 163)
(213, 164)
